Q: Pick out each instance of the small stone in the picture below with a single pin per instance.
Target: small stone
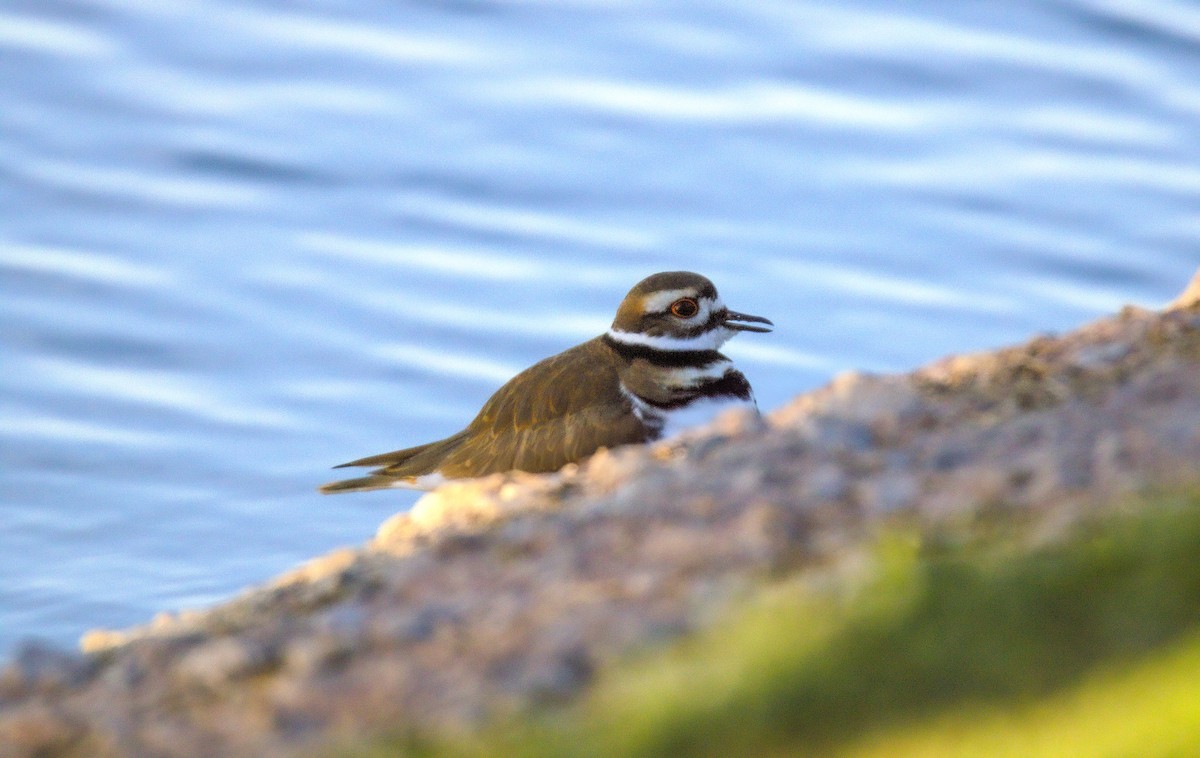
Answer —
(330, 564)
(887, 492)
(827, 482)
(99, 640)
(37, 730)
(40, 667)
(307, 656)
(212, 665)
(395, 532)
(1095, 357)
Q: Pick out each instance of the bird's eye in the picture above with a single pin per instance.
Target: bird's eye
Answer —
(685, 307)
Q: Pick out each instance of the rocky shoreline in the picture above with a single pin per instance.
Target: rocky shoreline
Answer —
(511, 591)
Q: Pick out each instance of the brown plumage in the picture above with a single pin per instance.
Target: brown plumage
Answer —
(619, 388)
(565, 420)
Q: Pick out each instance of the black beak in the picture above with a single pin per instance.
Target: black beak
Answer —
(733, 316)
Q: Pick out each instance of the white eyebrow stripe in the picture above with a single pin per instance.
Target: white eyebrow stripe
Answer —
(660, 301)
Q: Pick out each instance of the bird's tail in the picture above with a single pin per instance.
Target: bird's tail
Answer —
(389, 460)
(373, 481)
(362, 484)
(410, 468)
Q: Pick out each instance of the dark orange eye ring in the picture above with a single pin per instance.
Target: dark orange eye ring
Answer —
(685, 307)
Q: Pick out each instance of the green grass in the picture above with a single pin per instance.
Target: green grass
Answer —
(1089, 647)
(1151, 708)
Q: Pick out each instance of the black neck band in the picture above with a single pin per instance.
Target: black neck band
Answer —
(660, 357)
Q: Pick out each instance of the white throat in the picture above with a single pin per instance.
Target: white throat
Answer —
(710, 340)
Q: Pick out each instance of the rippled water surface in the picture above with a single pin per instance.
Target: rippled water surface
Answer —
(243, 241)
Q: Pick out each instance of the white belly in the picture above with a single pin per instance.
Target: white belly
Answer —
(699, 413)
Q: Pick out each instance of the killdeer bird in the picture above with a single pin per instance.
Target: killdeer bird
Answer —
(656, 371)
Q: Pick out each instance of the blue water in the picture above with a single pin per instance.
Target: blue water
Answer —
(243, 241)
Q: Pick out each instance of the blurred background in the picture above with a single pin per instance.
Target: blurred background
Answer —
(243, 241)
